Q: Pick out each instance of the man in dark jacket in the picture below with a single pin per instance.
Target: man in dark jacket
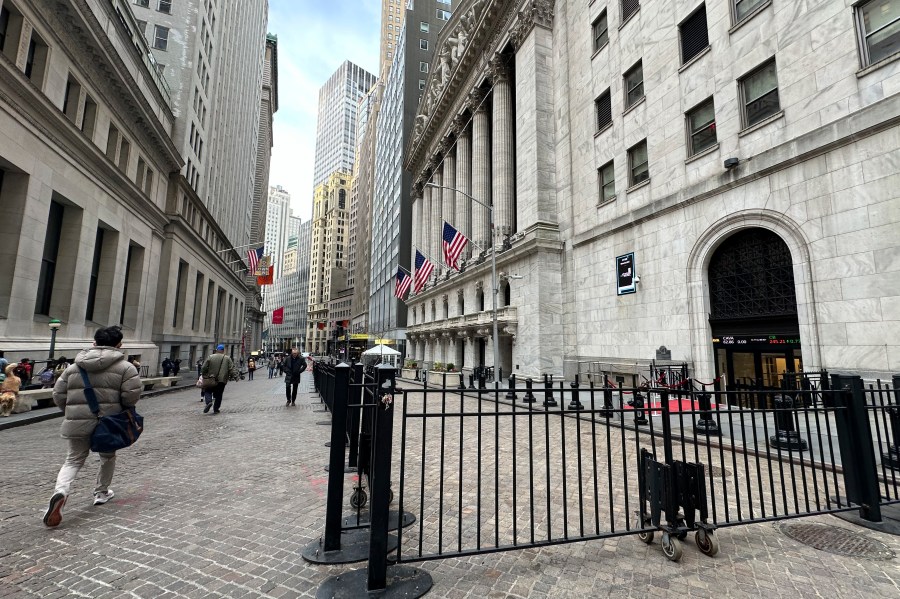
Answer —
(292, 366)
(117, 385)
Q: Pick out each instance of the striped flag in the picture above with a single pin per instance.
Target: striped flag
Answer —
(254, 256)
(423, 271)
(454, 243)
(403, 283)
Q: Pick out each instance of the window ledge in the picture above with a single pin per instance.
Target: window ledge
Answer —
(631, 16)
(702, 153)
(749, 16)
(611, 200)
(604, 128)
(877, 65)
(600, 49)
(635, 105)
(637, 186)
(762, 123)
(696, 58)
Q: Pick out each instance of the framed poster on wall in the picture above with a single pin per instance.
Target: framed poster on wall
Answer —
(625, 280)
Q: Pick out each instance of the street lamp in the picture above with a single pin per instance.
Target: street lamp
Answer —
(54, 326)
(494, 286)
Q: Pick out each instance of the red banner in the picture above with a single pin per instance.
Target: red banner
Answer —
(320, 326)
(278, 316)
(269, 279)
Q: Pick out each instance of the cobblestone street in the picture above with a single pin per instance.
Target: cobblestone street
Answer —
(221, 506)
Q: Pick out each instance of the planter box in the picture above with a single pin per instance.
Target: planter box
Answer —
(437, 379)
(408, 373)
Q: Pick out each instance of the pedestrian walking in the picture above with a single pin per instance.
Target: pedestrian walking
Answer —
(271, 368)
(251, 368)
(117, 385)
(220, 367)
(293, 366)
(176, 366)
(167, 366)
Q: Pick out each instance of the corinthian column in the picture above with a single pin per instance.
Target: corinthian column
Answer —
(503, 157)
(463, 180)
(437, 196)
(481, 168)
(449, 210)
(416, 222)
(424, 229)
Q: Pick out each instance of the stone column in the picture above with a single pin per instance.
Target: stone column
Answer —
(435, 224)
(481, 168)
(416, 222)
(424, 229)
(449, 206)
(503, 171)
(463, 180)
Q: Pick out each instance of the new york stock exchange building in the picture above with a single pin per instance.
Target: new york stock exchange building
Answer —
(720, 178)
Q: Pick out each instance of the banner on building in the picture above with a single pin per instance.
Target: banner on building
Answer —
(278, 316)
(320, 326)
(263, 266)
(625, 279)
(268, 279)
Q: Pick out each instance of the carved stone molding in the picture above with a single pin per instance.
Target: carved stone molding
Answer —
(464, 334)
(477, 100)
(460, 294)
(499, 70)
(479, 285)
(536, 12)
(460, 126)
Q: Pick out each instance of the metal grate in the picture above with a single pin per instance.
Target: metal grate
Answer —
(839, 541)
(629, 7)
(604, 110)
(694, 35)
(752, 275)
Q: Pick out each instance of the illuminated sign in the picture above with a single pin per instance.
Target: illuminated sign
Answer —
(625, 282)
(756, 340)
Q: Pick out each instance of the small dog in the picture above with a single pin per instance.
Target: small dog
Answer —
(9, 392)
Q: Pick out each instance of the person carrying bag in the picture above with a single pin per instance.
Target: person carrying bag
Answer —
(95, 400)
(225, 371)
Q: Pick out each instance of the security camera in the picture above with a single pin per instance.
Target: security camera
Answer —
(731, 162)
(637, 279)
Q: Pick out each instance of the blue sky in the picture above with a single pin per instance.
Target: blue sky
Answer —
(314, 38)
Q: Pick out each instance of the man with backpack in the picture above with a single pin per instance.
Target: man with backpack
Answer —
(292, 366)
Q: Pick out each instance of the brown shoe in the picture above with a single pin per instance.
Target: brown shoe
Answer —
(54, 512)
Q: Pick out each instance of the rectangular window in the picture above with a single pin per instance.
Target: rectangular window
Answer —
(71, 99)
(701, 122)
(421, 84)
(694, 35)
(423, 44)
(148, 182)
(142, 27)
(759, 92)
(607, 178)
(423, 67)
(112, 142)
(879, 27)
(124, 151)
(742, 8)
(637, 163)
(629, 7)
(161, 37)
(89, 118)
(442, 15)
(165, 6)
(600, 31)
(139, 176)
(198, 301)
(36, 61)
(634, 84)
(95, 275)
(144, 3)
(603, 106)
(48, 259)
(131, 292)
(423, 27)
(4, 26)
(180, 294)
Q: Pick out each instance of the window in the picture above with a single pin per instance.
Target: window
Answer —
(607, 178)
(71, 99)
(421, 84)
(879, 25)
(4, 26)
(124, 150)
(36, 60)
(423, 67)
(694, 35)
(629, 7)
(759, 93)
(112, 142)
(423, 44)
(742, 8)
(442, 15)
(95, 275)
(600, 32)
(701, 122)
(423, 27)
(144, 3)
(634, 85)
(637, 163)
(89, 119)
(48, 259)
(603, 105)
(142, 27)
(161, 38)
(165, 6)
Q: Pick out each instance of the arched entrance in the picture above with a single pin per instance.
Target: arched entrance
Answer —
(753, 310)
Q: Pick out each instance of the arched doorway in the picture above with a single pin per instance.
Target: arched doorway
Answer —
(753, 310)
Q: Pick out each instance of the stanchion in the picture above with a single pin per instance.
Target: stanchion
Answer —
(607, 410)
(786, 435)
(575, 404)
(511, 394)
(529, 396)
(706, 424)
(472, 381)
(549, 401)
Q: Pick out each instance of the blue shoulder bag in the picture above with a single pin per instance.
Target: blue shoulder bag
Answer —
(115, 431)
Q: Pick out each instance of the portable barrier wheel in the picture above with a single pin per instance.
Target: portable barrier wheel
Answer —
(646, 537)
(672, 547)
(707, 542)
(358, 499)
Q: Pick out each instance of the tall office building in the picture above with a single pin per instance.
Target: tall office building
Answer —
(278, 214)
(336, 126)
(303, 271)
(391, 212)
(392, 14)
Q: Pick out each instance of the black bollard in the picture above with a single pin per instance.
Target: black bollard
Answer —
(891, 458)
(511, 394)
(786, 435)
(471, 381)
(549, 401)
(607, 410)
(575, 404)
(706, 425)
(529, 396)
(640, 416)
(481, 384)
(462, 381)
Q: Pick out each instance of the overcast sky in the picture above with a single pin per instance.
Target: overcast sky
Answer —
(314, 38)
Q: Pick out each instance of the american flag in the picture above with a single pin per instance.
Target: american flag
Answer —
(403, 283)
(254, 256)
(423, 271)
(454, 243)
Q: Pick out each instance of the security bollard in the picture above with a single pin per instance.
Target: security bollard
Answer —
(575, 404)
(607, 410)
(529, 396)
(511, 394)
(481, 383)
(786, 435)
(640, 417)
(462, 381)
(471, 381)
(549, 401)
(706, 424)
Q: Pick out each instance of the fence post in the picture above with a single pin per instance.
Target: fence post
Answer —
(353, 418)
(380, 477)
(856, 447)
(549, 402)
(607, 410)
(575, 404)
(891, 458)
(336, 459)
(511, 394)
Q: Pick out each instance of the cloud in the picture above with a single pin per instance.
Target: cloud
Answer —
(314, 39)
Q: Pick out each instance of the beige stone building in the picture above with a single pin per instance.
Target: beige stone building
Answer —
(716, 177)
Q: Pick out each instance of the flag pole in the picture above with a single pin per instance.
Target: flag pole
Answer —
(431, 258)
(240, 247)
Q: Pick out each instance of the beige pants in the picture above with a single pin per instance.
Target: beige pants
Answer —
(79, 448)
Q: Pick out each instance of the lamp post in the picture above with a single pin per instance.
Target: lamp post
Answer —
(494, 285)
(54, 326)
